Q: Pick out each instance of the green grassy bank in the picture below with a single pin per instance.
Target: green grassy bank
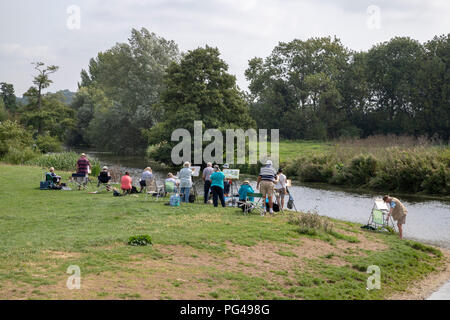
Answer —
(198, 252)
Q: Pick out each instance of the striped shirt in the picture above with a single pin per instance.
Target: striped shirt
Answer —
(267, 173)
(83, 165)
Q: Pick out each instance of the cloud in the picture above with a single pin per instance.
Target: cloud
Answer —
(16, 51)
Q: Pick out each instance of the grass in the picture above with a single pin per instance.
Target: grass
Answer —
(197, 251)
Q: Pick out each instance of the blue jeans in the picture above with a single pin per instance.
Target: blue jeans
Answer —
(185, 191)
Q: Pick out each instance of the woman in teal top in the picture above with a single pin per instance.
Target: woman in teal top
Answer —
(217, 178)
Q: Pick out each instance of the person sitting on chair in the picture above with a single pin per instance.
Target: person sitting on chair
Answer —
(55, 178)
(243, 190)
(171, 178)
(227, 182)
(146, 175)
(126, 183)
(398, 212)
(104, 177)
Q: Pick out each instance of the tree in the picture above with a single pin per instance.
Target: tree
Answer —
(131, 77)
(300, 84)
(8, 96)
(42, 80)
(392, 69)
(198, 88)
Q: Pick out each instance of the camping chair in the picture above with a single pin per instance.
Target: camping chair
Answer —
(151, 188)
(170, 188)
(103, 181)
(257, 204)
(80, 179)
(378, 216)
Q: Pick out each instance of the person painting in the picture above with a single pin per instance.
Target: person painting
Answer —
(185, 177)
(217, 179)
(265, 183)
(104, 177)
(206, 176)
(83, 165)
(280, 188)
(126, 183)
(398, 212)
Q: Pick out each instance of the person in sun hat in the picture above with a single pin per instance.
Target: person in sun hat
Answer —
(397, 211)
(83, 165)
(244, 190)
(147, 174)
(104, 177)
(265, 183)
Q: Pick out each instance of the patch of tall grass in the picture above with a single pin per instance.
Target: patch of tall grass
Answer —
(65, 161)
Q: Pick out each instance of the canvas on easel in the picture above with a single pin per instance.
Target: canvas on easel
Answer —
(232, 174)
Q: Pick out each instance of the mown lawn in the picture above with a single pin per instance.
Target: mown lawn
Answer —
(198, 252)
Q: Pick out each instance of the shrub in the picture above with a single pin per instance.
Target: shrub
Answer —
(361, 169)
(14, 137)
(141, 240)
(20, 156)
(311, 223)
(46, 143)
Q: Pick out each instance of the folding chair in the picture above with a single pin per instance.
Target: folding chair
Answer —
(80, 179)
(378, 216)
(103, 181)
(257, 204)
(170, 188)
(151, 188)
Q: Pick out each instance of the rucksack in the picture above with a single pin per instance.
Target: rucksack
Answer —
(175, 200)
(191, 198)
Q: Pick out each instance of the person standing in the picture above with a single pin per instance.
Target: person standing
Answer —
(265, 183)
(206, 175)
(280, 188)
(217, 179)
(83, 165)
(185, 177)
(227, 183)
(398, 212)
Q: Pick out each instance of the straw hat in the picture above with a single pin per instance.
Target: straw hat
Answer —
(246, 182)
(105, 168)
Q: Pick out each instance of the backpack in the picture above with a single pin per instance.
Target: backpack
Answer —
(175, 200)
(134, 190)
(191, 198)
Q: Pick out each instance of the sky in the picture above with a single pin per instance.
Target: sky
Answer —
(50, 31)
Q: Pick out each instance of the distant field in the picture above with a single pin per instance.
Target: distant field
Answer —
(198, 251)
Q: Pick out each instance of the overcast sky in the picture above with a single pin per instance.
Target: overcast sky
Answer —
(241, 29)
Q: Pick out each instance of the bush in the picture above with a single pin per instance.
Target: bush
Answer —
(14, 137)
(361, 169)
(20, 156)
(46, 143)
(141, 240)
(311, 223)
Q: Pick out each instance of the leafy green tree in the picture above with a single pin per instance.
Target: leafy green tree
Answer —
(130, 75)
(14, 135)
(8, 96)
(199, 87)
(432, 98)
(299, 86)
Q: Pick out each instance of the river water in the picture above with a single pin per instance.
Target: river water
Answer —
(427, 221)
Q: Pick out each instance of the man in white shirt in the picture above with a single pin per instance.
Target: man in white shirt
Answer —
(280, 188)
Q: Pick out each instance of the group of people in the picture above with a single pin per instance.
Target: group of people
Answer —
(270, 183)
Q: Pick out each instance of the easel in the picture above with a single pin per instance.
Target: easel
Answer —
(233, 175)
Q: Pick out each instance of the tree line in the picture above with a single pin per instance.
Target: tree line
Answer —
(134, 94)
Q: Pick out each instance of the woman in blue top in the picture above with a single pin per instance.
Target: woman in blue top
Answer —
(217, 186)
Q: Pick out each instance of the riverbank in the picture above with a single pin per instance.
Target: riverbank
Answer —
(198, 252)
